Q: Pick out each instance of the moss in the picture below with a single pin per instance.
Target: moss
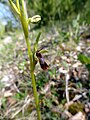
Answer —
(76, 107)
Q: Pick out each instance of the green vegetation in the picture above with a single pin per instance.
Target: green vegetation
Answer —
(86, 61)
(57, 67)
(53, 10)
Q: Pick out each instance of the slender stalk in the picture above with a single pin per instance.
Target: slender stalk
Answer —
(36, 96)
(31, 69)
(33, 80)
(21, 11)
(25, 30)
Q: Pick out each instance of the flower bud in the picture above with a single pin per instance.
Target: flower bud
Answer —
(35, 19)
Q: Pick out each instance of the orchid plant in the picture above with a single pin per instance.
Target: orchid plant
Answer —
(34, 54)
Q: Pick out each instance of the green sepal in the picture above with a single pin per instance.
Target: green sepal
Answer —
(43, 51)
(36, 42)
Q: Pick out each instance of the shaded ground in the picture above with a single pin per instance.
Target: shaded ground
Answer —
(64, 88)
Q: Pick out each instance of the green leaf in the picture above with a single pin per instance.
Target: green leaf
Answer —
(20, 96)
(84, 59)
(14, 7)
(37, 39)
(22, 65)
(88, 67)
(3, 100)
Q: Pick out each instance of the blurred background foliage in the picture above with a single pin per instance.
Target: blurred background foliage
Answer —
(53, 10)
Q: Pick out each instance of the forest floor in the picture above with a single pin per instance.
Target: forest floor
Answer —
(64, 89)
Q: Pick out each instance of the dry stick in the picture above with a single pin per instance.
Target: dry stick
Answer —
(23, 107)
(67, 93)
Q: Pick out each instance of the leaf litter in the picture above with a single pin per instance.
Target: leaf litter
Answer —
(64, 83)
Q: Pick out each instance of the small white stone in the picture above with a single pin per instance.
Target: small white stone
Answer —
(78, 48)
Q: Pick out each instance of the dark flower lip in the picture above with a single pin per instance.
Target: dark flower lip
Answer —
(42, 62)
(38, 54)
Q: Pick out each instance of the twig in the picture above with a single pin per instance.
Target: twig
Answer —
(77, 97)
(67, 93)
(24, 106)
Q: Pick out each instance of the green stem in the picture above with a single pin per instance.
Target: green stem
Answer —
(33, 79)
(36, 96)
(24, 23)
(21, 11)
